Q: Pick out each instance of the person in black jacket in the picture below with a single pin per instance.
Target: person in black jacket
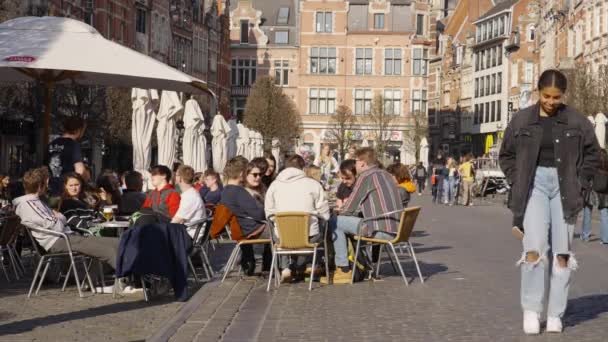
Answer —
(549, 155)
(599, 200)
(248, 211)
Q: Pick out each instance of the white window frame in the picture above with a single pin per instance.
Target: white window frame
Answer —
(362, 99)
(321, 101)
(322, 26)
(392, 101)
(421, 60)
(281, 69)
(419, 101)
(393, 61)
(361, 55)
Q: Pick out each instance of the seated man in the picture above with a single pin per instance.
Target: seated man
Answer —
(191, 206)
(163, 199)
(375, 192)
(248, 211)
(34, 213)
(212, 191)
(292, 190)
(132, 197)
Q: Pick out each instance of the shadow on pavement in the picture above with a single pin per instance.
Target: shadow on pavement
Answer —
(19, 327)
(428, 270)
(583, 309)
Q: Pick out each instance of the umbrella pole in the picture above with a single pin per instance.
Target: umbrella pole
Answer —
(48, 88)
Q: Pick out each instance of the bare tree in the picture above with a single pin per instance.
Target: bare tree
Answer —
(10, 9)
(380, 121)
(417, 130)
(584, 90)
(271, 113)
(341, 128)
(118, 117)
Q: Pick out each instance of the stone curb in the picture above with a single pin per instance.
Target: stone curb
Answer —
(172, 325)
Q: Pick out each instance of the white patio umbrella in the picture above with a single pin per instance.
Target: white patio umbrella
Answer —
(242, 141)
(591, 119)
(260, 145)
(365, 143)
(233, 135)
(56, 50)
(142, 127)
(166, 132)
(424, 152)
(253, 142)
(194, 143)
(600, 129)
(276, 150)
(408, 152)
(219, 131)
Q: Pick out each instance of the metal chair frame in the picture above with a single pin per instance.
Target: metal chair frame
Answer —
(199, 243)
(8, 237)
(308, 248)
(398, 240)
(237, 248)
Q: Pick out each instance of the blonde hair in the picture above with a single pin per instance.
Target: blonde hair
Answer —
(313, 172)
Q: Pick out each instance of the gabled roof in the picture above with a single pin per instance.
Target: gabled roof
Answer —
(270, 10)
(502, 6)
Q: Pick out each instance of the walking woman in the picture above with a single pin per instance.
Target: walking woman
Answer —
(549, 155)
(449, 183)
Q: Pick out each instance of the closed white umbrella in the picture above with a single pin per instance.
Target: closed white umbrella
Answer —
(253, 144)
(365, 143)
(142, 127)
(276, 150)
(56, 50)
(260, 145)
(233, 135)
(600, 129)
(219, 131)
(424, 152)
(166, 132)
(194, 143)
(242, 141)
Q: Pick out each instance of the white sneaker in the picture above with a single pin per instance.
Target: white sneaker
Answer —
(554, 325)
(531, 323)
(286, 275)
(105, 289)
(132, 290)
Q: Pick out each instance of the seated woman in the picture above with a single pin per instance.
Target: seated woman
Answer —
(248, 209)
(402, 176)
(108, 184)
(72, 205)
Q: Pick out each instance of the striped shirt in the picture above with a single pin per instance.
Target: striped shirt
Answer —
(375, 193)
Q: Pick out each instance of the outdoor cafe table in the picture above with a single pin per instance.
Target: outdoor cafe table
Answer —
(120, 227)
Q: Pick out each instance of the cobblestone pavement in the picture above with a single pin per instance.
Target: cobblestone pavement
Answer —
(471, 293)
(62, 316)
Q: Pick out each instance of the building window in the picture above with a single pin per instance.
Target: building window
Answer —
(324, 22)
(379, 21)
(483, 32)
(283, 16)
(476, 61)
(482, 61)
(488, 58)
(501, 26)
(487, 112)
(420, 60)
(109, 26)
(140, 23)
(323, 60)
(123, 31)
(499, 83)
(528, 72)
(392, 61)
(244, 31)
(281, 73)
(392, 101)
(419, 101)
(420, 24)
(494, 51)
(487, 92)
(322, 101)
(531, 33)
(481, 88)
(493, 118)
(477, 87)
(499, 111)
(281, 37)
(432, 117)
(491, 29)
(363, 61)
(499, 55)
(478, 29)
(476, 115)
(238, 106)
(363, 101)
(244, 72)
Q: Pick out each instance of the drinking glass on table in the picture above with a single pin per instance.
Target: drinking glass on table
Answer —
(108, 213)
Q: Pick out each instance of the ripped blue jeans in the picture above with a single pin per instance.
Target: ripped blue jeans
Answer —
(547, 236)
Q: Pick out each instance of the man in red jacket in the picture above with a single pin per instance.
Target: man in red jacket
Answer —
(163, 199)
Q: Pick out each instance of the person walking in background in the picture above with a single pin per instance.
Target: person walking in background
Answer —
(450, 182)
(439, 171)
(601, 201)
(65, 155)
(467, 176)
(421, 176)
(549, 154)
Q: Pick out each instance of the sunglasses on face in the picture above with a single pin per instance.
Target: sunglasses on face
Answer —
(256, 174)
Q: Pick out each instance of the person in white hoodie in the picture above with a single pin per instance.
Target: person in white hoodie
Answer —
(34, 213)
(292, 190)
